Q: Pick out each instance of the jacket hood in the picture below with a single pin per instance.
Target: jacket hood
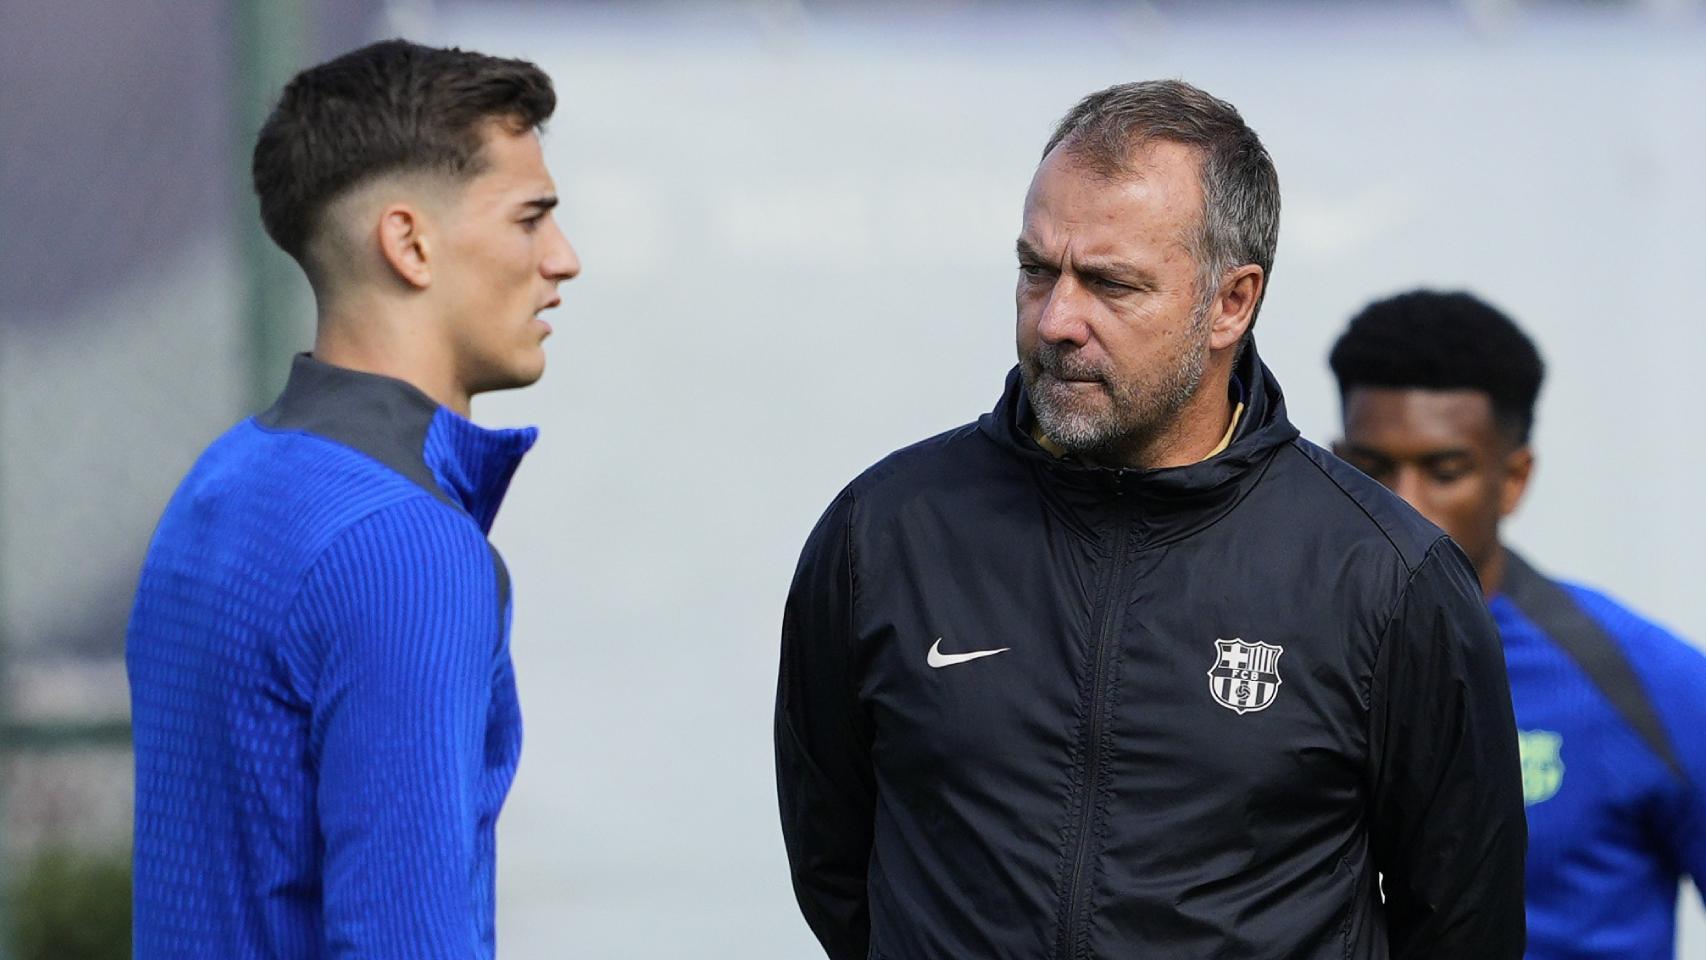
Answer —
(1167, 503)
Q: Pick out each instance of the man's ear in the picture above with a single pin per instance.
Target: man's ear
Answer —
(1519, 466)
(405, 244)
(1234, 307)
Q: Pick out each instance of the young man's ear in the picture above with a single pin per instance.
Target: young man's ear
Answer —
(1519, 466)
(405, 245)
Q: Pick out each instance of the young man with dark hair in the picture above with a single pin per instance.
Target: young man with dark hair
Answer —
(324, 709)
(1127, 668)
(1439, 392)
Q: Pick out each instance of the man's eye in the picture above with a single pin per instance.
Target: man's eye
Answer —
(532, 223)
(1031, 271)
(1113, 286)
(1448, 476)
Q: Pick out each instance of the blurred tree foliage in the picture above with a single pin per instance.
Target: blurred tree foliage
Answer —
(67, 905)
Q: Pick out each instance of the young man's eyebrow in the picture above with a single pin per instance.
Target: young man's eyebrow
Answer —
(540, 204)
(1454, 453)
(1432, 457)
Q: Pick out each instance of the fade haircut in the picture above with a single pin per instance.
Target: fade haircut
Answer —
(391, 107)
(1241, 201)
(1427, 340)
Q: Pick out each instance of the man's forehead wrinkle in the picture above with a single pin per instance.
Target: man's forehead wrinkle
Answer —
(1139, 174)
(1143, 198)
(1130, 224)
(1057, 246)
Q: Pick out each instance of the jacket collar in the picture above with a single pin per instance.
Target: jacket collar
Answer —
(456, 460)
(1163, 504)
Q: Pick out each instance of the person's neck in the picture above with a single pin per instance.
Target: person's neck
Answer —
(1492, 572)
(376, 342)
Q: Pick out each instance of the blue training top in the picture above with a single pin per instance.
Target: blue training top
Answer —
(323, 705)
(1612, 716)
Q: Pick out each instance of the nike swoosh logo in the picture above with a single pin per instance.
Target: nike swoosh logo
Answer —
(938, 659)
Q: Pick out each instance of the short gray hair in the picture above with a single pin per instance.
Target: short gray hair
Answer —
(1241, 201)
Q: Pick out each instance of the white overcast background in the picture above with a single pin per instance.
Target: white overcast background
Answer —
(797, 226)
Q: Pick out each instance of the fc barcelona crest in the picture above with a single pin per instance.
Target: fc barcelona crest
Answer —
(1246, 677)
(1542, 764)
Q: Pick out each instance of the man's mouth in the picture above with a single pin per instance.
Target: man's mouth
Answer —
(1063, 367)
(555, 301)
(1078, 377)
(541, 320)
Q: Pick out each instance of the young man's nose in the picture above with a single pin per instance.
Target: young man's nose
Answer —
(562, 263)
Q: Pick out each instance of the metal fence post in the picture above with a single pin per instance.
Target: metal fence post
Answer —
(268, 49)
(270, 46)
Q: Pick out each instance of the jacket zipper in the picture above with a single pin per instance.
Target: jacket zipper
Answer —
(1077, 896)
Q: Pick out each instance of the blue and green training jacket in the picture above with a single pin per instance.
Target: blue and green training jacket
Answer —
(1611, 711)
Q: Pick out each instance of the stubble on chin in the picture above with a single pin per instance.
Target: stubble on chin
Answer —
(1104, 420)
(1078, 416)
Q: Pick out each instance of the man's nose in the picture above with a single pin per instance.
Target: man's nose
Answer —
(562, 263)
(1063, 316)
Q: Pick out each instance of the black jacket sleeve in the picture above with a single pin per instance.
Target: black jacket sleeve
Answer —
(824, 782)
(1448, 827)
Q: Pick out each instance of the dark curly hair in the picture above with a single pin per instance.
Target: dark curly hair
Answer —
(1428, 340)
(389, 107)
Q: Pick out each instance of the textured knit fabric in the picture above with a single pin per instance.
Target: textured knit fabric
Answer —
(1611, 824)
(324, 709)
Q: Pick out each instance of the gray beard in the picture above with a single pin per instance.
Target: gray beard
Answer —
(1139, 411)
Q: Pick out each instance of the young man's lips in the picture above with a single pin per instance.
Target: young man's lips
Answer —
(542, 321)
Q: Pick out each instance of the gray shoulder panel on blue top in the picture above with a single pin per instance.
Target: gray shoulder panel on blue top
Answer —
(382, 417)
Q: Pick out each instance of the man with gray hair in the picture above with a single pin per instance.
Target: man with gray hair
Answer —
(1127, 668)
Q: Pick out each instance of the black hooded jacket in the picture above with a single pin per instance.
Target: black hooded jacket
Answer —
(1214, 711)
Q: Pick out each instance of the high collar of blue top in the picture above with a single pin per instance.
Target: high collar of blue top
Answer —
(453, 458)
